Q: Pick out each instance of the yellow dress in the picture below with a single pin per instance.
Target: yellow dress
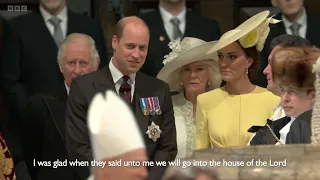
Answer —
(222, 120)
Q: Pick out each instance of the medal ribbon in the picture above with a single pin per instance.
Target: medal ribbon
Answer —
(156, 103)
(142, 104)
(150, 103)
(145, 103)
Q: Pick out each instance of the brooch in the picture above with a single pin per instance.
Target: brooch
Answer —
(154, 132)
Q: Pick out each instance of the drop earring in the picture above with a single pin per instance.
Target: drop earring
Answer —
(247, 70)
(208, 83)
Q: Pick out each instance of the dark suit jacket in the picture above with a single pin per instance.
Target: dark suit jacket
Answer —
(196, 26)
(313, 29)
(263, 134)
(29, 59)
(300, 129)
(83, 90)
(44, 135)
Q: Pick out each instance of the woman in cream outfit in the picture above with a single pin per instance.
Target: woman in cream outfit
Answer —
(224, 115)
(190, 72)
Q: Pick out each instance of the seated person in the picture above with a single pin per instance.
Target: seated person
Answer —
(189, 72)
(7, 171)
(292, 72)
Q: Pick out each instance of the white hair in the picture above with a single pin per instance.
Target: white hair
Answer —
(79, 38)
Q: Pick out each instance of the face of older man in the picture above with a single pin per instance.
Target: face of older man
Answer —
(78, 60)
(272, 87)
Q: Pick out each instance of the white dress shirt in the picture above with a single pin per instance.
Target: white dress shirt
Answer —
(63, 16)
(168, 26)
(284, 131)
(67, 88)
(302, 21)
(117, 78)
(278, 113)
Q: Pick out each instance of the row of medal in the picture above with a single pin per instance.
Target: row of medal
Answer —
(150, 106)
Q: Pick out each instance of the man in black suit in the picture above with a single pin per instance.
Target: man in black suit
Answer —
(296, 21)
(130, 45)
(44, 125)
(173, 21)
(28, 64)
(300, 130)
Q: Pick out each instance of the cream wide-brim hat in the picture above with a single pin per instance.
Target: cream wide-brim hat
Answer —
(240, 31)
(195, 50)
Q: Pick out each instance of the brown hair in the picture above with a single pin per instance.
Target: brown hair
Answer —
(292, 67)
(253, 53)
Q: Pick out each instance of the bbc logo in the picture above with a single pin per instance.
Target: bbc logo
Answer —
(17, 8)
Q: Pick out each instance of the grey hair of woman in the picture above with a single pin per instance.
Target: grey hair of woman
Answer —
(190, 173)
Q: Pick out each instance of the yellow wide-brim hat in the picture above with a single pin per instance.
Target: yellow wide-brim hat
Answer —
(187, 51)
(252, 32)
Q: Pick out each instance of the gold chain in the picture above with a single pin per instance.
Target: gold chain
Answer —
(274, 135)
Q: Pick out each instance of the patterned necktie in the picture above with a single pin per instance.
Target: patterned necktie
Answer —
(57, 32)
(176, 30)
(295, 29)
(125, 89)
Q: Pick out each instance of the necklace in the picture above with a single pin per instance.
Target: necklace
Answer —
(274, 135)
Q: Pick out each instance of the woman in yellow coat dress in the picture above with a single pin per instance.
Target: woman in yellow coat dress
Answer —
(224, 115)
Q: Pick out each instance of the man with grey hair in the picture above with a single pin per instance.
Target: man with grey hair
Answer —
(44, 125)
(28, 64)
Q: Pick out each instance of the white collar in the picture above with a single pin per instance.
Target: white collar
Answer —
(167, 16)
(63, 15)
(117, 75)
(302, 20)
(67, 87)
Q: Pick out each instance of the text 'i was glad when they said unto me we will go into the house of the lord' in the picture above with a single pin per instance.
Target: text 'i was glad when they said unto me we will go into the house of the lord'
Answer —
(177, 162)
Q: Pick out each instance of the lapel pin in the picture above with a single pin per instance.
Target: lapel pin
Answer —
(161, 38)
